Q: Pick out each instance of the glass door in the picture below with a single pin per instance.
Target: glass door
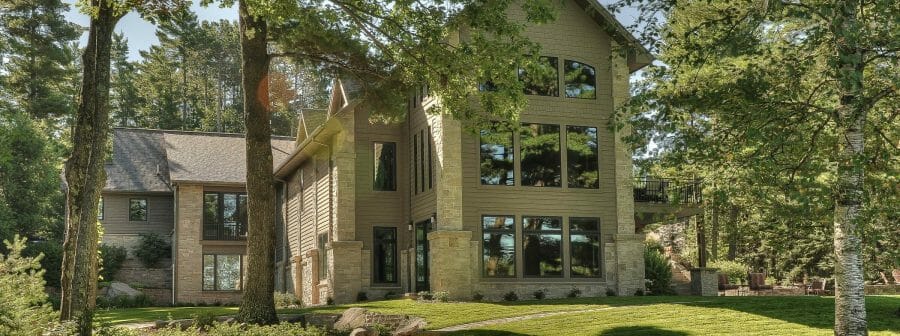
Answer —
(422, 229)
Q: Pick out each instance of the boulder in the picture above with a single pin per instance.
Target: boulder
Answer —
(117, 289)
(363, 332)
(412, 327)
(351, 319)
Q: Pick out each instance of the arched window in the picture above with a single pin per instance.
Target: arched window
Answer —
(581, 80)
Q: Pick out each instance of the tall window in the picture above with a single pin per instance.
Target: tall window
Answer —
(137, 209)
(542, 246)
(499, 246)
(415, 165)
(584, 243)
(100, 209)
(222, 272)
(323, 257)
(385, 166)
(581, 147)
(422, 153)
(541, 78)
(224, 216)
(385, 250)
(497, 158)
(540, 155)
(581, 80)
(430, 162)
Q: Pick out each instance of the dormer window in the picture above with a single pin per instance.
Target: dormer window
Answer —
(581, 80)
(542, 78)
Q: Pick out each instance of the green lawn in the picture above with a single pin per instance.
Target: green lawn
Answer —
(624, 316)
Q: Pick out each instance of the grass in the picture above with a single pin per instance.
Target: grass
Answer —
(625, 315)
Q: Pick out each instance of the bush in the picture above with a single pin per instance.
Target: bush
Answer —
(658, 271)
(736, 272)
(362, 296)
(390, 295)
(112, 258)
(285, 300)
(124, 301)
(203, 321)
(152, 249)
(573, 293)
(329, 301)
(442, 296)
(510, 296)
(23, 302)
(539, 294)
(610, 292)
(639, 292)
(51, 262)
(477, 297)
(425, 296)
(230, 329)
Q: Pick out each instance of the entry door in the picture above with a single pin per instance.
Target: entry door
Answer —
(422, 229)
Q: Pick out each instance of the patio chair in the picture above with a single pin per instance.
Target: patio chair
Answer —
(758, 283)
(817, 287)
(724, 284)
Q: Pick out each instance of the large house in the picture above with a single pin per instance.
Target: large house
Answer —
(419, 205)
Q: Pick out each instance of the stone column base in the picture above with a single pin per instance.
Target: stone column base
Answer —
(629, 263)
(704, 282)
(345, 268)
(450, 264)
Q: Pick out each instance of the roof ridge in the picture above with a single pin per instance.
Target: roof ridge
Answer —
(201, 133)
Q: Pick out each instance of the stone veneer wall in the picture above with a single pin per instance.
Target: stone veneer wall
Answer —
(155, 282)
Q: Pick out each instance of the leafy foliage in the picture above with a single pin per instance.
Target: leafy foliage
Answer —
(736, 272)
(24, 309)
(152, 249)
(112, 257)
(658, 271)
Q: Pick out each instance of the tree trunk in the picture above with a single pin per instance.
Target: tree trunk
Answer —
(732, 233)
(850, 300)
(258, 303)
(85, 175)
(701, 239)
(714, 230)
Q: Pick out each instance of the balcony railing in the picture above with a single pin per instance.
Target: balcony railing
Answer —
(672, 191)
(227, 231)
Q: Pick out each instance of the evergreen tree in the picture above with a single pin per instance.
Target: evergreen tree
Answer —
(124, 96)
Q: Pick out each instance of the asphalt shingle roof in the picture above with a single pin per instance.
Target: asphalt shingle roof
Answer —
(137, 156)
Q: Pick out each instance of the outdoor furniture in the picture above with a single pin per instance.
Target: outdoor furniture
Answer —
(758, 283)
(817, 287)
(724, 284)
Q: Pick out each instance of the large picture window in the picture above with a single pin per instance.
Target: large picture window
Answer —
(540, 155)
(321, 242)
(385, 166)
(497, 157)
(137, 209)
(385, 250)
(542, 246)
(581, 148)
(541, 78)
(499, 246)
(222, 272)
(224, 216)
(581, 80)
(584, 243)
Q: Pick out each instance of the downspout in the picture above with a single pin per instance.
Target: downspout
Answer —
(175, 246)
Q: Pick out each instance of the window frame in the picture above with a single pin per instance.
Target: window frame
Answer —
(565, 83)
(509, 151)
(515, 254)
(376, 245)
(146, 206)
(526, 232)
(220, 216)
(569, 156)
(521, 72)
(559, 152)
(100, 210)
(375, 162)
(322, 248)
(599, 237)
(215, 281)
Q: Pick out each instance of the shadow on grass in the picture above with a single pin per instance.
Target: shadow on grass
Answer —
(640, 331)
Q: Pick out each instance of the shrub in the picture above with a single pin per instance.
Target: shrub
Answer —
(152, 249)
(573, 293)
(329, 301)
(124, 301)
(510, 296)
(231, 329)
(540, 294)
(610, 292)
(639, 292)
(112, 258)
(51, 262)
(425, 296)
(658, 271)
(23, 302)
(477, 297)
(203, 321)
(285, 300)
(390, 295)
(362, 296)
(442, 296)
(736, 272)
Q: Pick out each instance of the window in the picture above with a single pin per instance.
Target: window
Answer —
(224, 216)
(540, 155)
(542, 246)
(222, 272)
(323, 257)
(541, 78)
(415, 165)
(385, 250)
(584, 244)
(430, 162)
(422, 152)
(100, 209)
(499, 246)
(385, 166)
(137, 209)
(581, 80)
(581, 147)
(497, 158)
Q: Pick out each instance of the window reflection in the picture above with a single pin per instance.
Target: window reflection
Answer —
(584, 242)
(540, 153)
(581, 80)
(499, 246)
(542, 246)
(582, 164)
(385, 166)
(497, 158)
(541, 78)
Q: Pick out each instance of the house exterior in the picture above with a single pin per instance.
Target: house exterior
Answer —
(419, 205)
(189, 189)
(424, 205)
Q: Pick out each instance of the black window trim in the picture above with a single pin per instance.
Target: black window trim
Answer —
(375, 243)
(216, 273)
(586, 232)
(516, 246)
(146, 209)
(518, 158)
(563, 88)
(394, 172)
(564, 130)
(562, 252)
(220, 213)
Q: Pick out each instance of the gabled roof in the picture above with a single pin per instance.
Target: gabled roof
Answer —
(149, 160)
(637, 55)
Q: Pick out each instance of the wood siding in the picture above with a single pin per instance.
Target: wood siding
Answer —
(160, 214)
